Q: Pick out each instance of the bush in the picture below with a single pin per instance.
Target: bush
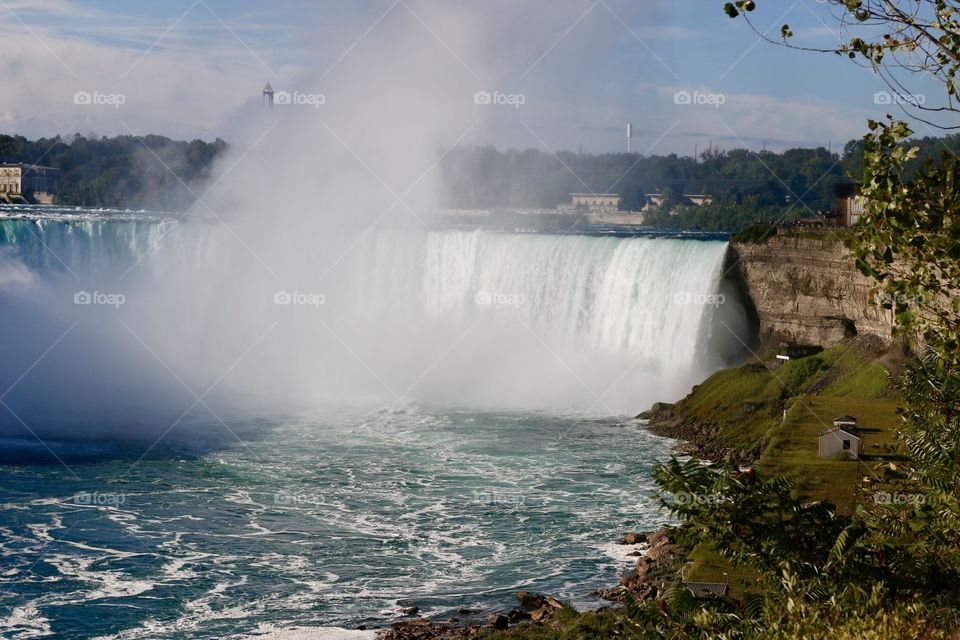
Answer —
(755, 233)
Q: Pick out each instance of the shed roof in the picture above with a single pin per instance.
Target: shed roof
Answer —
(839, 430)
(707, 588)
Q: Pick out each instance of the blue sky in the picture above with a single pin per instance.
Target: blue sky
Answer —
(194, 68)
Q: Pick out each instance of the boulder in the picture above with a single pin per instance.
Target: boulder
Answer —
(540, 614)
(498, 621)
(658, 409)
(530, 600)
(657, 537)
(517, 615)
(411, 630)
(613, 594)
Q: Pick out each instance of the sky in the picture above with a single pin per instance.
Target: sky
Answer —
(547, 74)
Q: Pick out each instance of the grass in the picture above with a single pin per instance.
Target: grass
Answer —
(741, 405)
(706, 565)
(792, 450)
(759, 233)
(813, 391)
(869, 381)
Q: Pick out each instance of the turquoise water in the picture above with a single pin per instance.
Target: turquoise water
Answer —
(445, 429)
(331, 521)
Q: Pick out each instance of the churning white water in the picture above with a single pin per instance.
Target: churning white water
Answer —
(597, 325)
(309, 440)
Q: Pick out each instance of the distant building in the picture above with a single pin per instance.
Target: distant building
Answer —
(656, 200)
(20, 182)
(850, 206)
(698, 199)
(600, 209)
(829, 218)
(595, 202)
(653, 199)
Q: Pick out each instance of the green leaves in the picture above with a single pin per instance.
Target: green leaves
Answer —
(906, 239)
(733, 9)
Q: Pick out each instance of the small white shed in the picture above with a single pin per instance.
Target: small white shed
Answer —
(837, 441)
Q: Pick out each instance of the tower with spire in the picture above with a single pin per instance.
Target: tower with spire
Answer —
(268, 96)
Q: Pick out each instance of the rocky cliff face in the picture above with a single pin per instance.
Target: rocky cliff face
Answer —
(807, 291)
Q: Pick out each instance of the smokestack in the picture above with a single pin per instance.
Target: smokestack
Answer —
(629, 135)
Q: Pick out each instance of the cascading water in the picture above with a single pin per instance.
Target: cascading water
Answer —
(600, 325)
(608, 295)
(253, 440)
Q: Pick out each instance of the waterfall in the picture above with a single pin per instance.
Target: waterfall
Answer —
(564, 323)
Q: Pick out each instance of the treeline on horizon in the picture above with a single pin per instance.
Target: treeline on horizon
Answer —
(156, 172)
(135, 172)
(747, 186)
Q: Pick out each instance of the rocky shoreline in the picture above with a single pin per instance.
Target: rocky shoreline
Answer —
(648, 579)
(697, 440)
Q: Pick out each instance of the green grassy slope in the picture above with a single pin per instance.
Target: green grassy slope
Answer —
(739, 406)
(782, 411)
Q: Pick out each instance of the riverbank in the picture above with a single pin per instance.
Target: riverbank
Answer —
(765, 415)
(659, 562)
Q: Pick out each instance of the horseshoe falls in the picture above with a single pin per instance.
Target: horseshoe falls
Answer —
(232, 430)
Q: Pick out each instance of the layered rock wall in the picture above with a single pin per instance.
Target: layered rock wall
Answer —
(807, 291)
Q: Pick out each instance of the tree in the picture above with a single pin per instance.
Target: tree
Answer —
(901, 40)
(125, 171)
(909, 239)
(839, 576)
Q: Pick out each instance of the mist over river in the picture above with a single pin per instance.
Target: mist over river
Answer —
(203, 436)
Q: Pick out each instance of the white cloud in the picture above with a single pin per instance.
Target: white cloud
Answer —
(577, 65)
(743, 119)
(170, 92)
(48, 8)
